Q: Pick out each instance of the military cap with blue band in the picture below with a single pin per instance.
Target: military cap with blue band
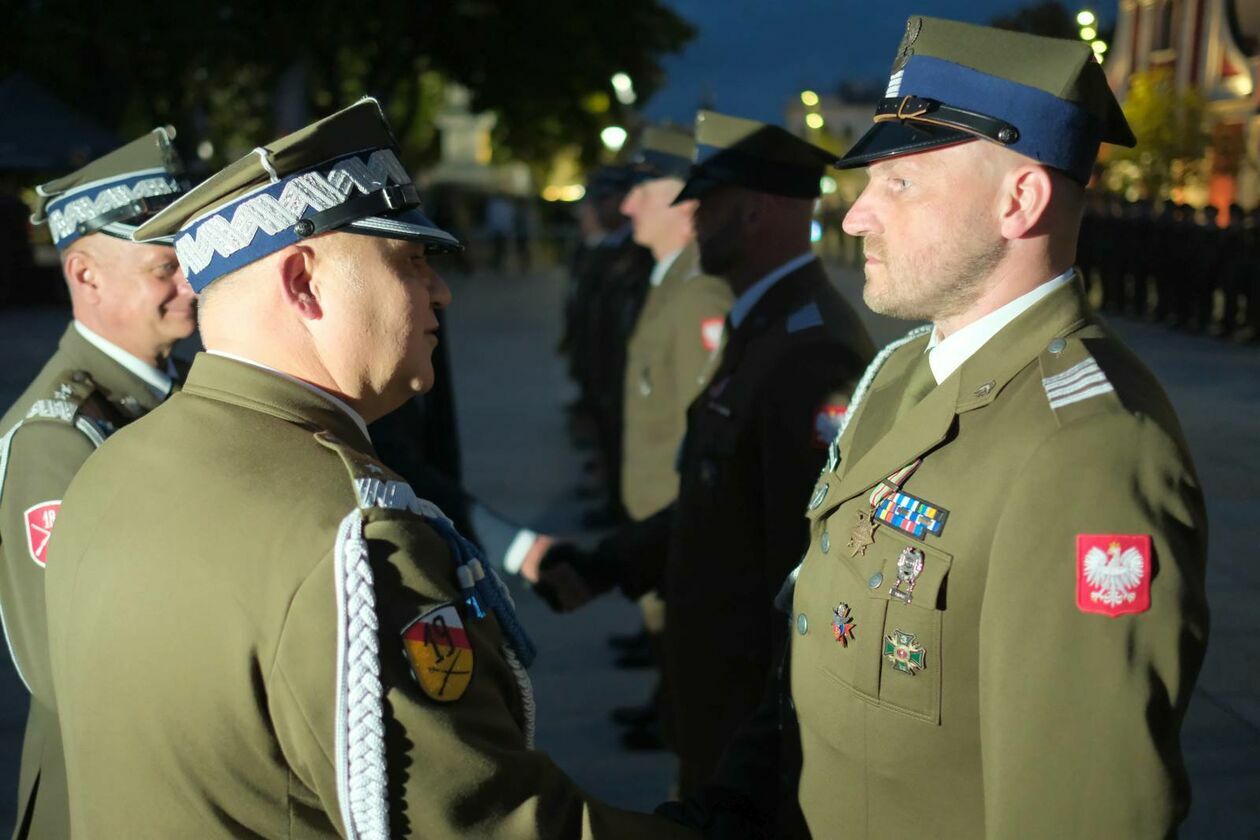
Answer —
(114, 193)
(339, 174)
(754, 155)
(1045, 98)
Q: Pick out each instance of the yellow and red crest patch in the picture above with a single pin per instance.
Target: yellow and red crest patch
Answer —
(440, 653)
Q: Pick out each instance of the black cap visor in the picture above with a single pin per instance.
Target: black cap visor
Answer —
(411, 225)
(893, 138)
(697, 185)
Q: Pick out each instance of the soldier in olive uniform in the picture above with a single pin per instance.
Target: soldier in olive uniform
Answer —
(130, 305)
(278, 637)
(676, 333)
(1001, 615)
(756, 436)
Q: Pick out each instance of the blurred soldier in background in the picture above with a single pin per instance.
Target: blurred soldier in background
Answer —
(677, 331)
(610, 285)
(773, 397)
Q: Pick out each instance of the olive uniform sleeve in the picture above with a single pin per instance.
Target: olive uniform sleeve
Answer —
(702, 306)
(459, 768)
(1081, 712)
(44, 456)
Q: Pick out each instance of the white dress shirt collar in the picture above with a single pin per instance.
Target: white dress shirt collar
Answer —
(158, 381)
(946, 355)
(337, 401)
(748, 299)
(662, 267)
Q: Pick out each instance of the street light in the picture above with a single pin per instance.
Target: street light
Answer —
(623, 86)
(1085, 18)
(1088, 33)
(1100, 47)
(814, 120)
(613, 137)
(808, 98)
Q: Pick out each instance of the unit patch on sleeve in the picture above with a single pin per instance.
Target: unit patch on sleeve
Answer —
(1113, 573)
(711, 333)
(440, 653)
(39, 524)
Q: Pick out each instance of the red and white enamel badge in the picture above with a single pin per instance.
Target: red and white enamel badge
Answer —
(711, 333)
(827, 423)
(39, 525)
(1113, 573)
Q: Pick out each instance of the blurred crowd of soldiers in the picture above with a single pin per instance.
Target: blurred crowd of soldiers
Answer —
(1191, 269)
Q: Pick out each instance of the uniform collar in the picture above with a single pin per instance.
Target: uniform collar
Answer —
(158, 381)
(878, 447)
(947, 355)
(663, 265)
(225, 373)
(748, 299)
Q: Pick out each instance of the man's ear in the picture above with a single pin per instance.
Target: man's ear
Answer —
(82, 276)
(1025, 199)
(297, 286)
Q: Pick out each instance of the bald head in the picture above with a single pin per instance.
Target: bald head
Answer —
(956, 232)
(352, 314)
(131, 294)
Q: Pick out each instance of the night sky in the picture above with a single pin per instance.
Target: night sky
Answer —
(754, 55)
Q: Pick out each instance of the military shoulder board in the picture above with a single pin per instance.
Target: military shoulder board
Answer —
(1072, 379)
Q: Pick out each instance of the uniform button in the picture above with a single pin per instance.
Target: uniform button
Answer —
(1057, 346)
(876, 580)
(802, 624)
(80, 376)
(825, 542)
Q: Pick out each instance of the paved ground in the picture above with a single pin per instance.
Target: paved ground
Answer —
(511, 389)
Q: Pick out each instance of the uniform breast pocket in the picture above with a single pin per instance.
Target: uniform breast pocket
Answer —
(907, 579)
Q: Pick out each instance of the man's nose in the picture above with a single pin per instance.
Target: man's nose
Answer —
(861, 219)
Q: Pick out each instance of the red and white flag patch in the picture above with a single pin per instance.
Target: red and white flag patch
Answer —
(1113, 573)
(711, 332)
(39, 525)
(827, 423)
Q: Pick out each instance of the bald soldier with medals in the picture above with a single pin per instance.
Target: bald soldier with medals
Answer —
(278, 638)
(113, 364)
(1000, 617)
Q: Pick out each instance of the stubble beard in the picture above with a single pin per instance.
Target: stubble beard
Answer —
(933, 287)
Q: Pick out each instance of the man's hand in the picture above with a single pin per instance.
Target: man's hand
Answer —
(532, 564)
(569, 577)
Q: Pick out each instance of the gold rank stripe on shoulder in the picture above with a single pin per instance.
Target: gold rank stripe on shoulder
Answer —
(1079, 382)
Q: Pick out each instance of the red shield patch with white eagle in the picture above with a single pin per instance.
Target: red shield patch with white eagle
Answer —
(39, 525)
(1113, 573)
(711, 332)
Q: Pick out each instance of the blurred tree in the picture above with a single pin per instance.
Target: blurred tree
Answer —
(235, 72)
(1168, 125)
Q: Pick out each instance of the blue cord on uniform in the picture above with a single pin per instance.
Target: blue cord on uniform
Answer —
(483, 589)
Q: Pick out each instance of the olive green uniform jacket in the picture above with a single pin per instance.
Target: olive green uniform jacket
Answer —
(720, 551)
(233, 578)
(1028, 710)
(677, 331)
(79, 397)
